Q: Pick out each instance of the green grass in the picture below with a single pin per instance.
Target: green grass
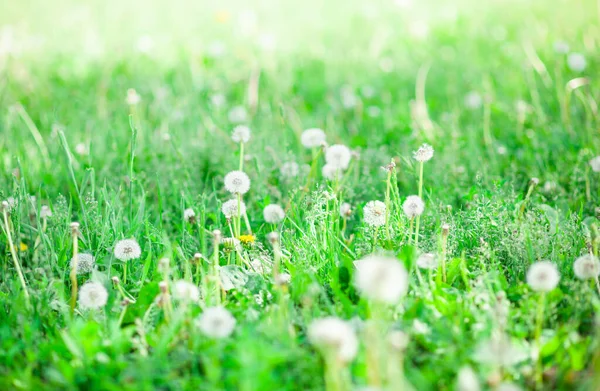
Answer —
(64, 89)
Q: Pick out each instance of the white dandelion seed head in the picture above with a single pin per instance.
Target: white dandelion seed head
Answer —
(508, 386)
(45, 212)
(420, 327)
(333, 335)
(381, 279)
(186, 291)
(338, 155)
(289, 169)
(576, 62)
(424, 153)
(561, 47)
(81, 149)
(586, 267)
(313, 138)
(238, 114)
(241, 134)
(92, 295)
(189, 214)
(331, 171)
(283, 279)
(413, 206)
(346, 209)
(237, 182)
(127, 249)
(374, 213)
(216, 322)
(500, 350)
(467, 380)
(217, 100)
(133, 98)
(473, 100)
(427, 261)
(85, 263)
(398, 340)
(543, 276)
(595, 164)
(273, 214)
(230, 208)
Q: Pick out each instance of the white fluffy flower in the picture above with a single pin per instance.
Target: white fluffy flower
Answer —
(85, 263)
(424, 153)
(289, 170)
(381, 279)
(346, 209)
(576, 62)
(338, 156)
(374, 213)
(413, 206)
(500, 350)
(241, 134)
(216, 322)
(313, 138)
(333, 335)
(133, 98)
(467, 380)
(92, 295)
(230, 208)
(273, 214)
(595, 163)
(238, 114)
(331, 171)
(543, 276)
(420, 327)
(283, 279)
(473, 100)
(189, 214)
(508, 386)
(586, 267)
(45, 212)
(217, 99)
(561, 47)
(127, 249)
(237, 182)
(186, 291)
(81, 149)
(427, 261)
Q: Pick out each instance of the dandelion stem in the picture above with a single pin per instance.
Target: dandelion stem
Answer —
(387, 204)
(74, 266)
(241, 156)
(598, 285)
(13, 254)
(125, 272)
(538, 333)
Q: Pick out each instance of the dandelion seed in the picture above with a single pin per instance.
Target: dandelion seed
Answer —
(576, 62)
(427, 261)
(332, 335)
(543, 276)
(313, 138)
(186, 291)
(374, 213)
(216, 322)
(189, 215)
(424, 153)
(595, 163)
(85, 263)
(381, 278)
(289, 170)
(238, 114)
(338, 156)
(133, 98)
(230, 208)
(467, 380)
(586, 267)
(346, 209)
(273, 214)
(237, 182)
(92, 295)
(241, 134)
(473, 100)
(127, 249)
(413, 206)
(331, 172)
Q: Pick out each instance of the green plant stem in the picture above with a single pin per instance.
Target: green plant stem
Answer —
(13, 253)
(539, 321)
(73, 273)
(387, 205)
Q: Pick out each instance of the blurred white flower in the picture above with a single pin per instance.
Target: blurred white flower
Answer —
(332, 335)
(85, 263)
(346, 209)
(216, 49)
(374, 213)
(230, 208)
(427, 261)
(238, 114)
(283, 279)
(186, 291)
(398, 340)
(499, 350)
(413, 206)
(595, 164)
(45, 212)
(216, 322)
(241, 134)
(338, 156)
(189, 214)
(331, 171)
(237, 182)
(289, 170)
(217, 100)
(543, 276)
(145, 44)
(133, 97)
(586, 267)
(273, 214)
(424, 153)
(473, 100)
(381, 278)
(561, 47)
(420, 327)
(81, 149)
(576, 62)
(92, 295)
(508, 386)
(127, 249)
(313, 138)
(467, 380)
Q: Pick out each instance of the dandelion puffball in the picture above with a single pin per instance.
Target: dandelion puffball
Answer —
(186, 291)
(467, 380)
(543, 276)
(332, 335)
(127, 249)
(313, 138)
(586, 267)
(45, 212)
(346, 209)
(413, 206)
(289, 170)
(424, 153)
(381, 279)
(216, 322)
(230, 208)
(576, 62)
(273, 214)
(92, 295)
(338, 156)
(561, 47)
(85, 263)
(237, 114)
(189, 214)
(331, 171)
(473, 100)
(241, 134)
(427, 261)
(595, 163)
(133, 98)
(374, 213)
(237, 182)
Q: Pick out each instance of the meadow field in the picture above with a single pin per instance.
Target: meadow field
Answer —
(300, 195)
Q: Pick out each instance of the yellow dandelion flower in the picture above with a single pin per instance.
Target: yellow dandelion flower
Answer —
(247, 239)
(23, 247)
